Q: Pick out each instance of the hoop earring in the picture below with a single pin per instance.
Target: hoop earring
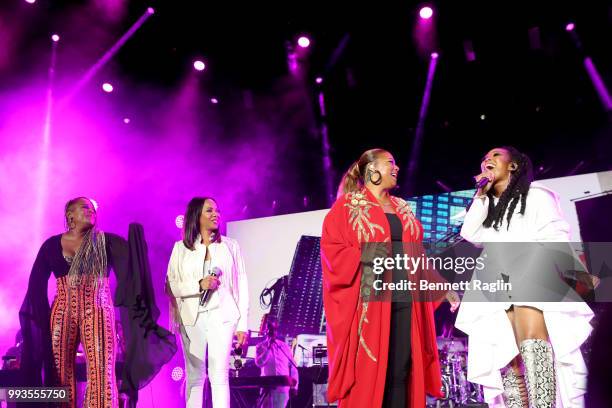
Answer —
(371, 180)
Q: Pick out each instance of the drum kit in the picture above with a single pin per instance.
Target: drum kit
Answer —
(456, 389)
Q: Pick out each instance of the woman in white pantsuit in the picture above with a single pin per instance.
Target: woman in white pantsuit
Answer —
(523, 354)
(206, 261)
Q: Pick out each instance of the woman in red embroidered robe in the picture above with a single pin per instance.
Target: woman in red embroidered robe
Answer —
(380, 353)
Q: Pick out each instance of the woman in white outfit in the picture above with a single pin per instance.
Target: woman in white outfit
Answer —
(206, 262)
(523, 354)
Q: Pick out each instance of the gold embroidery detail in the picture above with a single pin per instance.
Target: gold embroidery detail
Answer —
(405, 211)
(359, 214)
(364, 319)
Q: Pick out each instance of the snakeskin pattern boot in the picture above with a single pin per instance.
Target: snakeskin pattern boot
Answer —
(539, 373)
(512, 388)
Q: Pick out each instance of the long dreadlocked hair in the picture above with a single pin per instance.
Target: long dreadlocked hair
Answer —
(517, 190)
(90, 259)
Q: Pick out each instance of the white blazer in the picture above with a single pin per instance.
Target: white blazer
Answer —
(185, 270)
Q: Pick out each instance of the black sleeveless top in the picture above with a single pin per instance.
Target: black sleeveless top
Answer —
(400, 299)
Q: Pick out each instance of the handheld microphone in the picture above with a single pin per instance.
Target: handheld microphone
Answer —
(216, 272)
(482, 182)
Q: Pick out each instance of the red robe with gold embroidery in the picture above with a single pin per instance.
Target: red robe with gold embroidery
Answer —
(357, 331)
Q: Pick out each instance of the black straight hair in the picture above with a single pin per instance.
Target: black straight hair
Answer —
(191, 222)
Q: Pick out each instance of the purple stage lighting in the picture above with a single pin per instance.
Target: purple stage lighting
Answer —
(151, 10)
(30, 1)
(126, 120)
(55, 37)
(570, 27)
(214, 101)
(303, 42)
(426, 12)
(319, 80)
(199, 65)
(107, 87)
(434, 55)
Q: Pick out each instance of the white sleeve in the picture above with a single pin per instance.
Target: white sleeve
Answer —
(243, 289)
(549, 224)
(472, 228)
(180, 287)
(262, 354)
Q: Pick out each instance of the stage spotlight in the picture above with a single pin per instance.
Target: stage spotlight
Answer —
(426, 12)
(214, 101)
(303, 42)
(199, 65)
(107, 87)
(126, 120)
(179, 220)
(468, 49)
(55, 37)
(434, 55)
(319, 80)
(151, 10)
(30, 1)
(570, 27)
(177, 374)
(483, 117)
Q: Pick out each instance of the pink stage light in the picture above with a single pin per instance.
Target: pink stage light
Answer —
(199, 65)
(55, 37)
(126, 120)
(214, 101)
(179, 221)
(319, 80)
(30, 1)
(570, 27)
(107, 87)
(434, 55)
(150, 10)
(426, 12)
(303, 42)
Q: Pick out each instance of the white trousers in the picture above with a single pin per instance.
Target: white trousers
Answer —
(210, 334)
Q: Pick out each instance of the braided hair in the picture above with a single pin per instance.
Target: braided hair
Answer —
(517, 190)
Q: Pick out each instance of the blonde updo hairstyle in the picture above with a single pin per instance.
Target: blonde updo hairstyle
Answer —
(355, 177)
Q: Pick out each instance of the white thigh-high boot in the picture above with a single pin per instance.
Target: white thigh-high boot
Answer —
(512, 388)
(539, 366)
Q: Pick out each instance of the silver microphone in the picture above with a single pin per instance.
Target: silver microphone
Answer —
(206, 294)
